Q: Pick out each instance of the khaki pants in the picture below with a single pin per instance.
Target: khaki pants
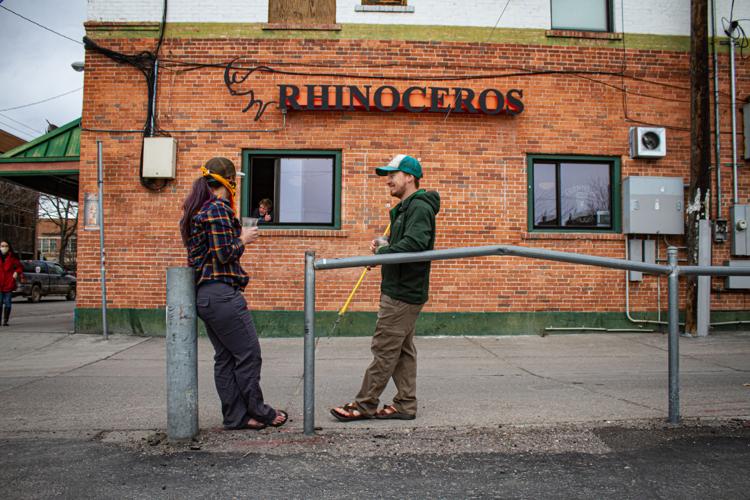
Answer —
(394, 355)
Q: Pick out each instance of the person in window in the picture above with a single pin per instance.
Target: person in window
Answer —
(404, 291)
(11, 270)
(264, 212)
(215, 241)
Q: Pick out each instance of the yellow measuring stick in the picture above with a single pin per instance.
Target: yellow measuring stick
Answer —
(343, 309)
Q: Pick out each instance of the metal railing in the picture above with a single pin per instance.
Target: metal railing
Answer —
(672, 270)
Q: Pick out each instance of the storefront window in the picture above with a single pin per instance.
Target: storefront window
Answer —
(581, 15)
(573, 193)
(303, 187)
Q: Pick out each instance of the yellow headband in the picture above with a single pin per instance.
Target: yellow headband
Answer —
(232, 189)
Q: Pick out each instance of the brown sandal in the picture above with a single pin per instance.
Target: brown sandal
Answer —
(282, 413)
(257, 426)
(349, 412)
(390, 412)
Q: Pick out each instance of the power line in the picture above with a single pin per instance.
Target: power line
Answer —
(43, 100)
(17, 130)
(36, 131)
(498, 21)
(41, 25)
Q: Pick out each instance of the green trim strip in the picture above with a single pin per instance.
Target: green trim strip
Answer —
(152, 322)
(402, 32)
(21, 173)
(26, 159)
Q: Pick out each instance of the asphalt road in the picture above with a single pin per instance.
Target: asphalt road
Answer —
(609, 462)
(52, 314)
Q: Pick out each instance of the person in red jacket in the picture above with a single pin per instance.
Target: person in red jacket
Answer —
(10, 270)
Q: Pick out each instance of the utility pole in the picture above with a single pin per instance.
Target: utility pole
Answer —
(700, 146)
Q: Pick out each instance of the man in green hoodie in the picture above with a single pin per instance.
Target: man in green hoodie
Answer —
(404, 290)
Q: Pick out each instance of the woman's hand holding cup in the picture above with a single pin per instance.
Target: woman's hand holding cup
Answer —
(249, 234)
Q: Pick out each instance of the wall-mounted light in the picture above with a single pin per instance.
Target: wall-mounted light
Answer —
(78, 66)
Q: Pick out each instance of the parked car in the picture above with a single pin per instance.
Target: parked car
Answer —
(41, 278)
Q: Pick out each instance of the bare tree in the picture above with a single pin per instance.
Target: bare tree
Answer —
(63, 214)
(18, 216)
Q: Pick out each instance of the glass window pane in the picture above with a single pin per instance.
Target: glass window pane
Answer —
(545, 195)
(579, 15)
(306, 190)
(585, 194)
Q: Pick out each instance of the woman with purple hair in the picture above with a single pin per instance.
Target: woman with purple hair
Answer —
(215, 241)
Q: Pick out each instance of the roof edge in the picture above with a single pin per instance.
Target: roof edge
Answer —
(49, 135)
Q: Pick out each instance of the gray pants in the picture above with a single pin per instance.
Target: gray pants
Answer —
(237, 354)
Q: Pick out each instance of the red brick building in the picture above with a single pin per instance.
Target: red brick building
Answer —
(568, 103)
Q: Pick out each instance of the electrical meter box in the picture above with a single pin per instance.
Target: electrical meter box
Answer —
(737, 282)
(653, 205)
(159, 157)
(739, 217)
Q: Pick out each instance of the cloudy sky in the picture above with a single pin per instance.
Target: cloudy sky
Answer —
(35, 64)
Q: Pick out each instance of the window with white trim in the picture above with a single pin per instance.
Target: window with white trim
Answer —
(582, 15)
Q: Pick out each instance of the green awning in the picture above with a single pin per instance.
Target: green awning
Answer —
(56, 154)
(61, 144)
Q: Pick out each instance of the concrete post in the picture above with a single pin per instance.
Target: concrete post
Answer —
(674, 337)
(309, 374)
(704, 282)
(182, 355)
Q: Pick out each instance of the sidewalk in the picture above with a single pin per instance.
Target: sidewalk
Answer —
(59, 382)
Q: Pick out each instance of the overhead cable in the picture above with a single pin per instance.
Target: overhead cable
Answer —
(41, 25)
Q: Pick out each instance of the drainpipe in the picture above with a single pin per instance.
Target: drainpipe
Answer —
(732, 76)
(717, 133)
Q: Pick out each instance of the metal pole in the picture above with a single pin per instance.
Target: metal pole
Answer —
(465, 252)
(674, 337)
(309, 374)
(152, 124)
(100, 216)
(732, 76)
(182, 355)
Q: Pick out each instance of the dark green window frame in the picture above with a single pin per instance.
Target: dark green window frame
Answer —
(615, 196)
(246, 209)
(609, 20)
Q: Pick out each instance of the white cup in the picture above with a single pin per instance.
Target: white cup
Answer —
(381, 241)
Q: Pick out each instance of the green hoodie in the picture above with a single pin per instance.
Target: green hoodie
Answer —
(412, 230)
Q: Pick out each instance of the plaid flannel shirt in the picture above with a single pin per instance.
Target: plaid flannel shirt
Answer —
(214, 247)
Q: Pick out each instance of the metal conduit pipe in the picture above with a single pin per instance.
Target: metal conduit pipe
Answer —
(630, 318)
(732, 76)
(717, 132)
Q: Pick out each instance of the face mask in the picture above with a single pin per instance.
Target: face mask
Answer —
(4, 250)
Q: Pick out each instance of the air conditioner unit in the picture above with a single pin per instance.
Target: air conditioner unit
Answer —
(648, 142)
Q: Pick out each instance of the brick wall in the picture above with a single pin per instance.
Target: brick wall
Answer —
(477, 163)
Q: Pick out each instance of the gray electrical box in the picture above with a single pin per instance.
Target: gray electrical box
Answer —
(738, 218)
(653, 205)
(737, 282)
